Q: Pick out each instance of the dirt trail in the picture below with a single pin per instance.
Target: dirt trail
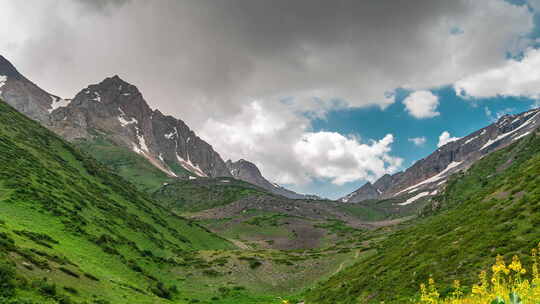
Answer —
(385, 223)
(356, 255)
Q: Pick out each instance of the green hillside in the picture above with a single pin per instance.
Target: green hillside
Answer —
(205, 193)
(71, 231)
(493, 208)
(131, 166)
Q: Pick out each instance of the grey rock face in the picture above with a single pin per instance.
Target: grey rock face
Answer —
(366, 192)
(430, 173)
(249, 172)
(22, 94)
(385, 182)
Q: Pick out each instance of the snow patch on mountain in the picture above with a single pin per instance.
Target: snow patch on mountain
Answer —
(97, 97)
(414, 198)
(123, 121)
(58, 102)
(469, 140)
(188, 165)
(520, 136)
(492, 141)
(432, 179)
(172, 134)
(142, 142)
(3, 80)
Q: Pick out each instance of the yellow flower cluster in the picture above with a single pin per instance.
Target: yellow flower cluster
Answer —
(505, 281)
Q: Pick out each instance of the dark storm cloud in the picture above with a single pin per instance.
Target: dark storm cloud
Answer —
(224, 50)
(102, 5)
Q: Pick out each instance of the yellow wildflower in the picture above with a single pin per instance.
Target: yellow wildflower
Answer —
(516, 264)
(504, 281)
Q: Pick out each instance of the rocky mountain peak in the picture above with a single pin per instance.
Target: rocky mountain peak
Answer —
(7, 69)
(118, 109)
(366, 192)
(249, 172)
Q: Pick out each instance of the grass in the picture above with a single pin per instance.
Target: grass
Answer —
(491, 209)
(73, 231)
(67, 218)
(364, 212)
(196, 195)
(503, 284)
(126, 163)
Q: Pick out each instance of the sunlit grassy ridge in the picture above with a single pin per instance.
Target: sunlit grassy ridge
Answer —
(124, 162)
(67, 218)
(196, 195)
(492, 209)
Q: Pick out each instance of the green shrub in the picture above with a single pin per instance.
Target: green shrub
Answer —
(7, 280)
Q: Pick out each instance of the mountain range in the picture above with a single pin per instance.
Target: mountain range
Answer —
(116, 111)
(427, 177)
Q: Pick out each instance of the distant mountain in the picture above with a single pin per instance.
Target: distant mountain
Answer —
(426, 177)
(249, 172)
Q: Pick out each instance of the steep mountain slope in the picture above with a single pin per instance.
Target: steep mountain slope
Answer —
(126, 163)
(24, 95)
(117, 110)
(428, 175)
(66, 218)
(201, 194)
(248, 171)
(112, 121)
(490, 209)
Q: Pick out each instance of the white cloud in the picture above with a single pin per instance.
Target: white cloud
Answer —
(345, 159)
(422, 104)
(513, 78)
(488, 112)
(288, 152)
(445, 138)
(535, 4)
(418, 141)
(493, 117)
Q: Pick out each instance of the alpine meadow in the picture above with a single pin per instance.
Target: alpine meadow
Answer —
(269, 152)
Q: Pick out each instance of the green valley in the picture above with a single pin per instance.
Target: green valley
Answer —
(489, 210)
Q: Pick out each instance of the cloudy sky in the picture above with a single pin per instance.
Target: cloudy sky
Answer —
(321, 95)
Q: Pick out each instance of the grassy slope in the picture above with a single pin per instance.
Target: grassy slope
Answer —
(126, 163)
(60, 209)
(494, 208)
